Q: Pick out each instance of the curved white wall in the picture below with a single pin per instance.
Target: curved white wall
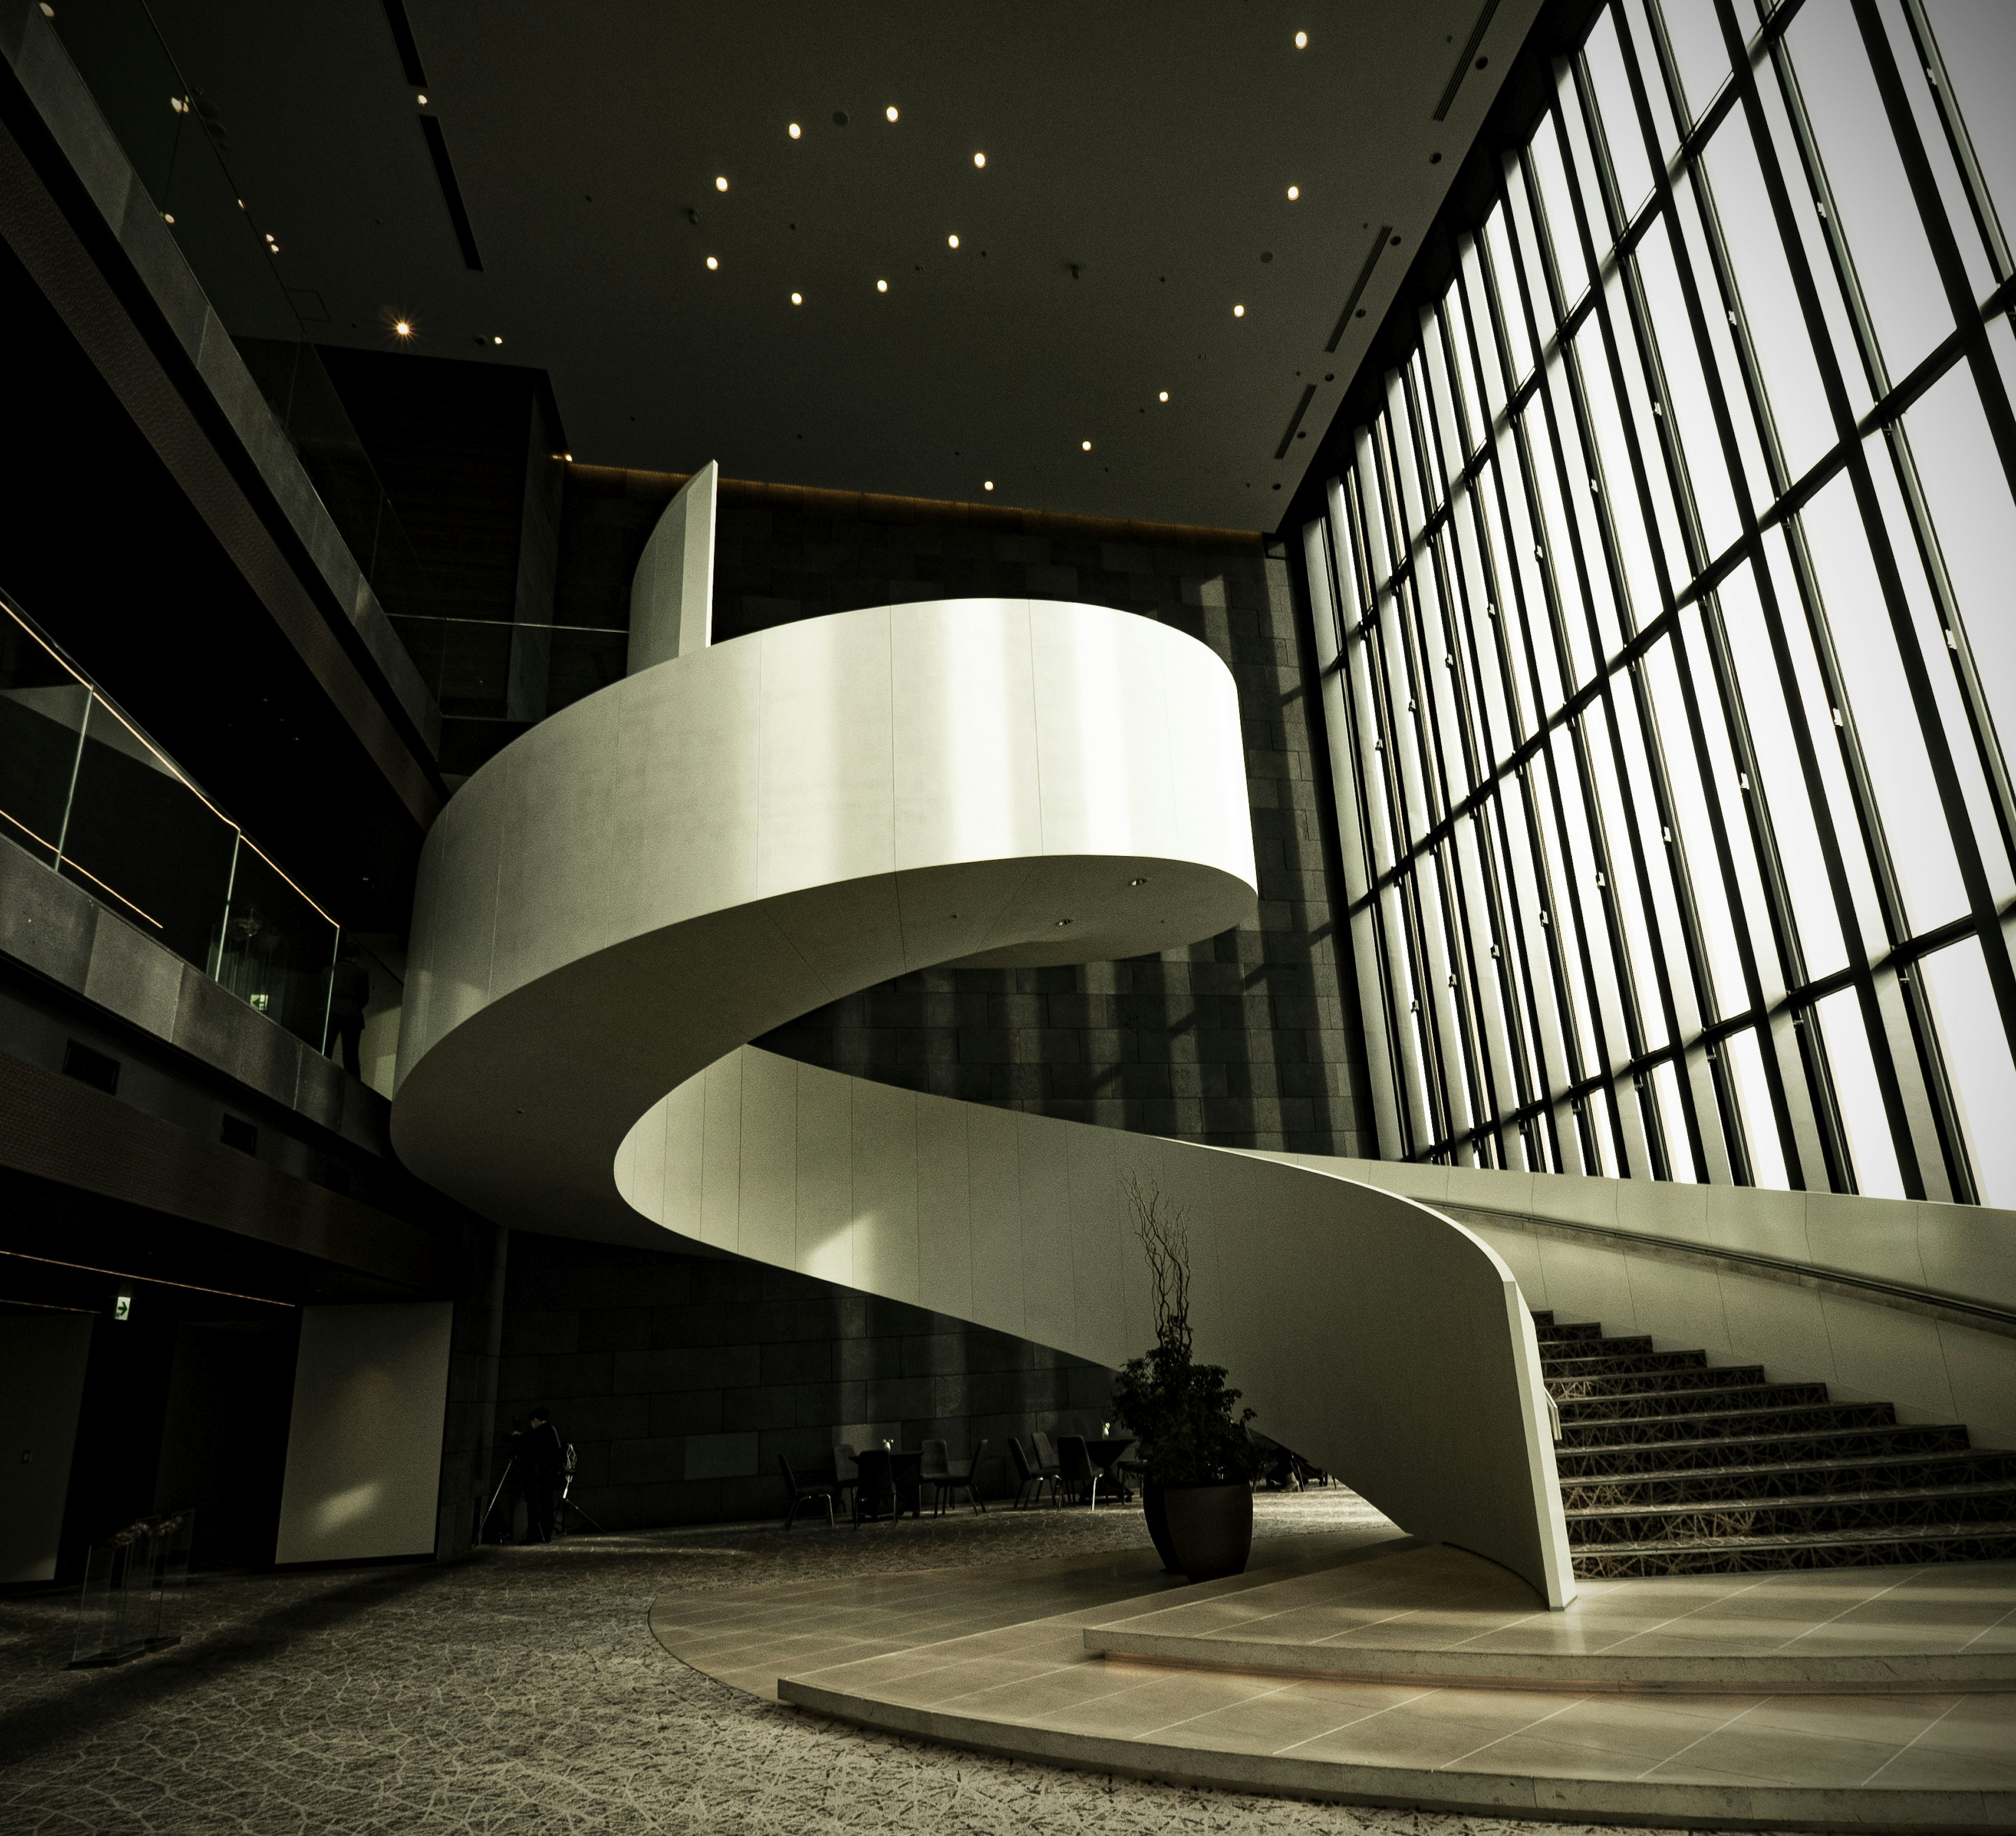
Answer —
(722, 842)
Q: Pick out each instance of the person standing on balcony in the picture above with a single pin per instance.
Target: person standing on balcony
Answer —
(350, 989)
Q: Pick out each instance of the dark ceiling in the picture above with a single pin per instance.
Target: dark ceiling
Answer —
(1136, 191)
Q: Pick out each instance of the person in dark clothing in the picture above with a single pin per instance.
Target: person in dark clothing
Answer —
(542, 1458)
(350, 987)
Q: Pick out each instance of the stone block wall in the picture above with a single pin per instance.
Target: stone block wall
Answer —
(680, 1379)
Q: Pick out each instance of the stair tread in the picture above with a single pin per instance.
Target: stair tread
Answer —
(1801, 1501)
(1875, 1533)
(1728, 1441)
(1603, 1421)
(1695, 1475)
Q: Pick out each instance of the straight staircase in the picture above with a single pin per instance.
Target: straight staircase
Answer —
(1669, 1465)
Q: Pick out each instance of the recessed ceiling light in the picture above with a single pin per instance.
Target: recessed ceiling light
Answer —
(712, 263)
(1165, 395)
(402, 328)
(979, 159)
(1238, 312)
(891, 111)
(796, 130)
(798, 299)
(568, 457)
(1062, 922)
(1139, 880)
(1301, 40)
(720, 185)
(1294, 192)
(988, 485)
(422, 100)
(1085, 445)
(496, 340)
(951, 242)
(167, 216)
(881, 286)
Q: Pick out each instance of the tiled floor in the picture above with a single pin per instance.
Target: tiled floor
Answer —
(1441, 1611)
(1918, 1758)
(522, 1694)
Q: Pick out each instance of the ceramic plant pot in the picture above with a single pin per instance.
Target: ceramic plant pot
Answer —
(1158, 1525)
(1209, 1528)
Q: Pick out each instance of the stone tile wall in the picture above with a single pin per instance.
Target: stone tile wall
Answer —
(681, 1379)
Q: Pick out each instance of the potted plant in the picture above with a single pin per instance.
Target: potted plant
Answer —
(1199, 1461)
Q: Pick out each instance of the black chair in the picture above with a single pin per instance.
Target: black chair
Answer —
(1075, 1468)
(844, 1473)
(804, 1495)
(934, 1470)
(962, 1475)
(1046, 1464)
(1026, 1476)
(874, 1485)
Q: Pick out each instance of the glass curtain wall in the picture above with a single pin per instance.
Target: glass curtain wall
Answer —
(1666, 622)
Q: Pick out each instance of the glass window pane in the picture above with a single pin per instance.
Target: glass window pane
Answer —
(1967, 492)
(1658, 847)
(1672, 1117)
(1771, 314)
(1753, 1095)
(1803, 199)
(1886, 723)
(1978, 1064)
(1784, 786)
(1977, 41)
(1552, 171)
(1621, 138)
(1859, 1097)
(1696, 838)
(1664, 129)
(1688, 407)
(1893, 261)
(1652, 431)
(1918, 92)
(1828, 744)
(1476, 305)
(1621, 490)
(1722, 342)
(1606, 980)
(1694, 35)
(1511, 314)
(1622, 878)
(1929, 629)
(1542, 656)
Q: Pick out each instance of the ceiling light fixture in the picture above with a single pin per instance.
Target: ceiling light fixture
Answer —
(795, 130)
(402, 328)
(1238, 312)
(1294, 192)
(979, 159)
(167, 216)
(951, 242)
(422, 100)
(891, 111)
(1165, 395)
(798, 299)
(881, 286)
(568, 457)
(496, 340)
(712, 263)
(988, 485)
(720, 185)
(1301, 40)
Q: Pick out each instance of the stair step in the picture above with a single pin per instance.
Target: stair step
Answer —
(1737, 1555)
(1843, 1512)
(1719, 1399)
(1787, 1480)
(1619, 1364)
(1561, 1351)
(1685, 1380)
(1641, 1458)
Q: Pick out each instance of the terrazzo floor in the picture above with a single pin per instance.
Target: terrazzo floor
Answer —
(524, 1691)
